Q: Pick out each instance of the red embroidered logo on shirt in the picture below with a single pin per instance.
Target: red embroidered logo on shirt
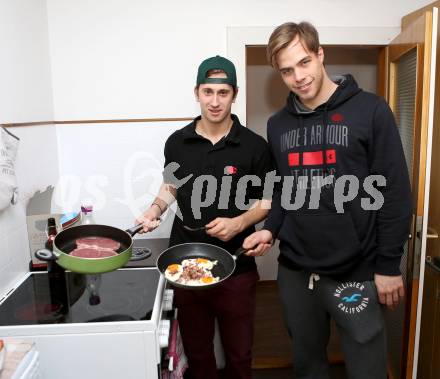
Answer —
(230, 170)
(312, 158)
(330, 156)
(293, 159)
(337, 117)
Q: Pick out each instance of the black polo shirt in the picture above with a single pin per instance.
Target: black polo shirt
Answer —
(241, 152)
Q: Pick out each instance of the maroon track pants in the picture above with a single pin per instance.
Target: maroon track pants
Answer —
(233, 304)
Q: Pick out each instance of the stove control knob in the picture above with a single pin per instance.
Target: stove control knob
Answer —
(164, 333)
(167, 304)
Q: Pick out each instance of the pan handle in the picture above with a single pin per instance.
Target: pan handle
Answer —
(45, 255)
(132, 231)
(239, 252)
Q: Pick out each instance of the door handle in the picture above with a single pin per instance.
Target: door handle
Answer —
(431, 233)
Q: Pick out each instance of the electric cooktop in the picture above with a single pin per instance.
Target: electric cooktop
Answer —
(67, 297)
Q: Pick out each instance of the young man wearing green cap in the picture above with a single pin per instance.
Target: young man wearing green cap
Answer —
(215, 144)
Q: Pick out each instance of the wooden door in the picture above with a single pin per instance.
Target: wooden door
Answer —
(411, 85)
(428, 366)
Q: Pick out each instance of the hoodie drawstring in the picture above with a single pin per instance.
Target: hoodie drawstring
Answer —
(313, 278)
(324, 140)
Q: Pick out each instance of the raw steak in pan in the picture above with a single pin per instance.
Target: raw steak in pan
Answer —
(97, 242)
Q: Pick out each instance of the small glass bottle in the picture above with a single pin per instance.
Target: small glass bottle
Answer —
(52, 266)
(51, 233)
(87, 215)
(56, 276)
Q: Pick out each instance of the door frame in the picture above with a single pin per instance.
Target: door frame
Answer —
(425, 42)
(240, 37)
(432, 82)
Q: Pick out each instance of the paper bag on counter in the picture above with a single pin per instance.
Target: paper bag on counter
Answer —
(8, 181)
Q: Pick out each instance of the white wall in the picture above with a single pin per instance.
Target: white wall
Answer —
(117, 167)
(25, 95)
(25, 70)
(138, 58)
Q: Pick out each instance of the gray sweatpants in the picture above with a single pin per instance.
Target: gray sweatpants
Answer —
(358, 315)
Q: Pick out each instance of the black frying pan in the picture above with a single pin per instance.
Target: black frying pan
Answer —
(176, 254)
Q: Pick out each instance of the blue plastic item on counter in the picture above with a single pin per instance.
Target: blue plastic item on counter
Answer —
(69, 219)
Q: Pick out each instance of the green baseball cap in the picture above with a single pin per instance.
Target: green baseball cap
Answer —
(217, 63)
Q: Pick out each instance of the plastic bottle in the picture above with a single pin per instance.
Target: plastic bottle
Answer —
(87, 215)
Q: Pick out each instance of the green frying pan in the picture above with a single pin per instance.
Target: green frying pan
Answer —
(65, 242)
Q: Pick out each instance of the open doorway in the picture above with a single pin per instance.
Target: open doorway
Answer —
(266, 93)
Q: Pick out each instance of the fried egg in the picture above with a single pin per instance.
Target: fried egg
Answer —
(188, 262)
(192, 272)
(208, 280)
(206, 264)
(173, 272)
(193, 282)
(200, 262)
